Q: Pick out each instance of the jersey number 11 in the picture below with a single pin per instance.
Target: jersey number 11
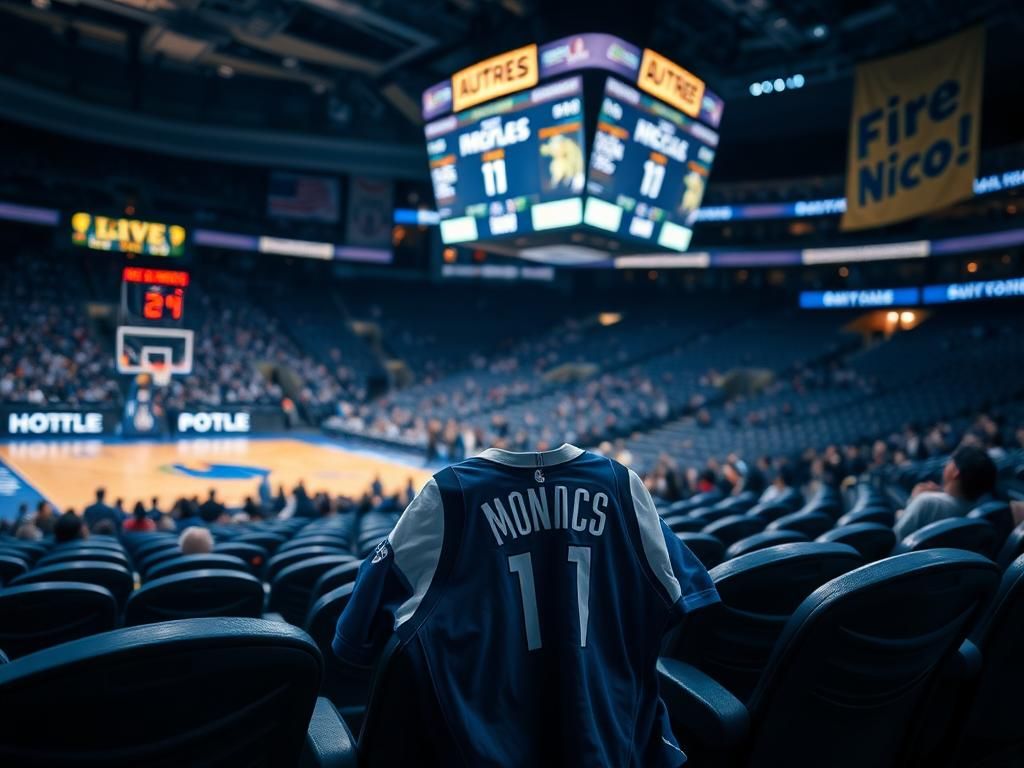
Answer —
(522, 566)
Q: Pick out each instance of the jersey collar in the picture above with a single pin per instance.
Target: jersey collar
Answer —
(532, 458)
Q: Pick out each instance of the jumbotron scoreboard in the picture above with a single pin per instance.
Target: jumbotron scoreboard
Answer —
(588, 134)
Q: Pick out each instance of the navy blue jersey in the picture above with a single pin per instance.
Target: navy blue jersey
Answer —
(531, 592)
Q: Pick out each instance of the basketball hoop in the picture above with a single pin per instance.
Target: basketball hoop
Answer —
(160, 374)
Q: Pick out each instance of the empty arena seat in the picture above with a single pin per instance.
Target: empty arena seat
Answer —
(196, 594)
(991, 734)
(292, 587)
(184, 563)
(873, 540)
(338, 576)
(880, 515)
(36, 616)
(102, 554)
(683, 523)
(731, 529)
(162, 541)
(27, 550)
(708, 515)
(849, 673)
(253, 554)
(217, 692)
(318, 540)
(998, 515)
(282, 560)
(958, 532)
(705, 547)
(762, 541)
(759, 592)
(770, 511)
(1012, 548)
(11, 566)
(93, 542)
(269, 541)
(115, 578)
(343, 684)
(811, 524)
(154, 559)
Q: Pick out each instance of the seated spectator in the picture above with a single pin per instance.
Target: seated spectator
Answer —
(211, 509)
(195, 541)
(27, 531)
(139, 521)
(781, 484)
(154, 510)
(69, 527)
(968, 477)
(105, 528)
(44, 518)
(100, 510)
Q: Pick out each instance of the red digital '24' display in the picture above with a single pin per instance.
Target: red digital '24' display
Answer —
(154, 296)
(160, 306)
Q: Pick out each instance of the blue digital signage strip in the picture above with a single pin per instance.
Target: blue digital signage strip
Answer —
(945, 293)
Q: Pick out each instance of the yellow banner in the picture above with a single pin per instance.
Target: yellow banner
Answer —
(914, 130)
(106, 233)
(497, 76)
(669, 82)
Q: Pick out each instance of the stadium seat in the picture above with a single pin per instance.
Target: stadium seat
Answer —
(998, 515)
(3, 657)
(811, 524)
(770, 511)
(218, 692)
(292, 587)
(1012, 548)
(155, 541)
(683, 524)
(731, 529)
(344, 685)
(336, 577)
(154, 559)
(184, 563)
(93, 542)
(253, 554)
(101, 554)
(11, 566)
(269, 541)
(762, 541)
(36, 616)
(958, 533)
(873, 540)
(196, 594)
(318, 540)
(880, 515)
(115, 578)
(992, 734)
(708, 515)
(849, 673)
(27, 550)
(705, 547)
(282, 560)
(759, 592)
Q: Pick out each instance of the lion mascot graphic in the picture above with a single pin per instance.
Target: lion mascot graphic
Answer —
(566, 166)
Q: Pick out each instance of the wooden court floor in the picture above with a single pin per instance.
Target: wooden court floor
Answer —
(67, 473)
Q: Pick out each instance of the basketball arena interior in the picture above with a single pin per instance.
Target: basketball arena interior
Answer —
(511, 383)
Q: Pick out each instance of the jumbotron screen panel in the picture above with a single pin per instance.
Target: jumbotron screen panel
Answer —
(523, 158)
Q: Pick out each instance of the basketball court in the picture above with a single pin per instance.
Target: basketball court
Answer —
(67, 473)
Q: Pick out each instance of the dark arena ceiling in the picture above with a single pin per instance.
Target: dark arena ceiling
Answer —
(356, 68)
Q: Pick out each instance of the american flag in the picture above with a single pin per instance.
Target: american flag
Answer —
(294, 196)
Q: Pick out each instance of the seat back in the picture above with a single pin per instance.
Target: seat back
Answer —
(759, 592)
(348, 688)
(292, 586)
(282, 560)
(10, 567)
(880, 515)
(683, 524)
(763, 541)
(704, 547)
(810, 524)
(196, 595)
(315, 540)
(212, 692)
(269, 541)
(115, 578)
(36, 616)
(101, 554)
(1012, 548)
(731, 529)
(338, 576)
(153, 558)
(992, 732)
(770, 511)
(958, 533)
(873, 540)
(183, 563)
(998, 515)
(858, 657)
(253, 554)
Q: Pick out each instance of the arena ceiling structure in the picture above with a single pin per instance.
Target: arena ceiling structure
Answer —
(356, 68)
